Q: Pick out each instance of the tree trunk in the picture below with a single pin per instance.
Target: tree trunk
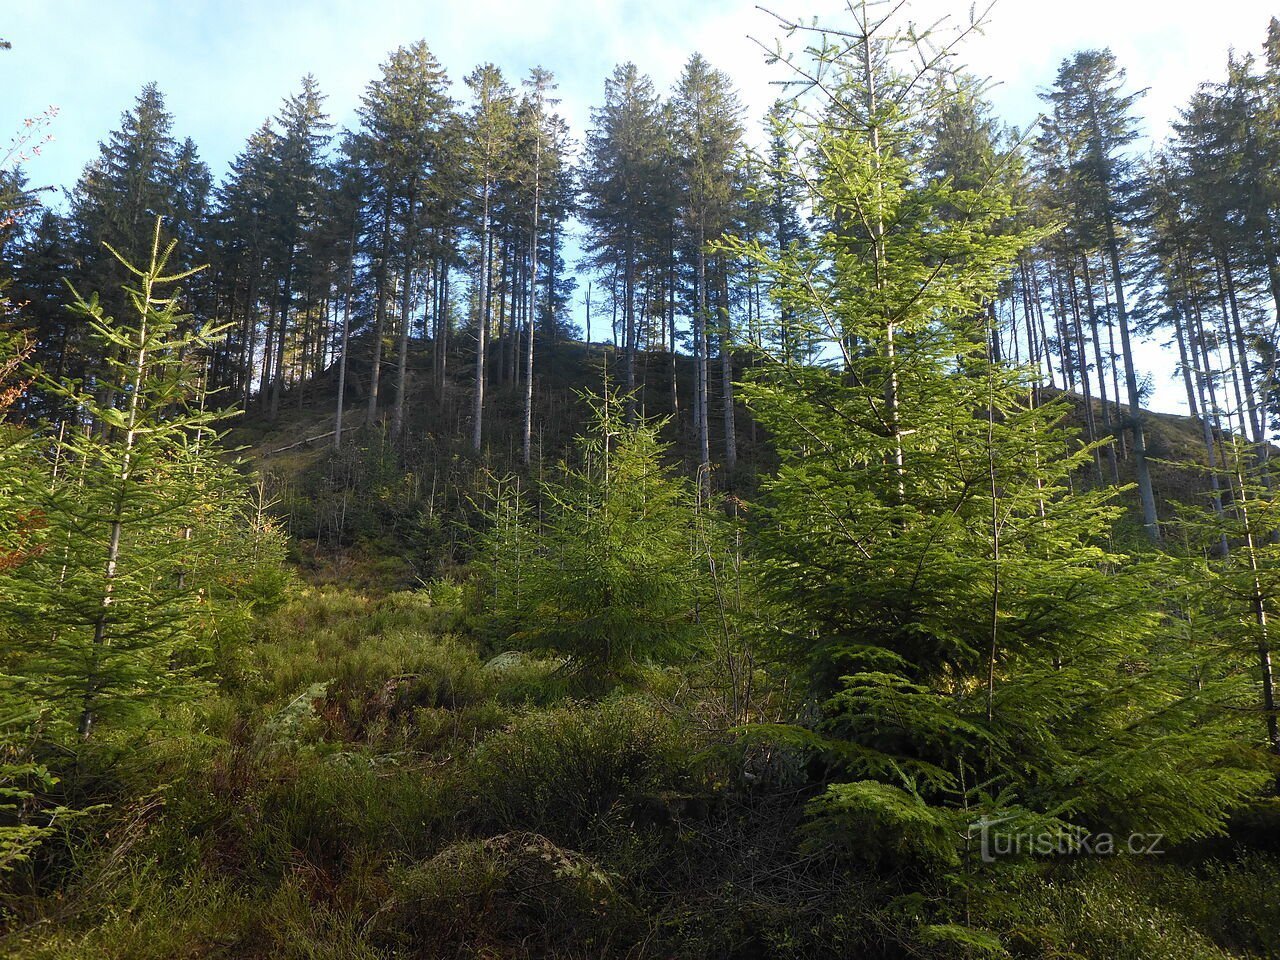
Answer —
(671, 330)
(482, 327)
(704, 426)
(1091, 427)
(286, 303)
(346, 330)
(380, 318)
(526, 448)
(1107, 425)
(406, 305)
(402, 357)
(629, 318)
(726, 380)
(1145, 492)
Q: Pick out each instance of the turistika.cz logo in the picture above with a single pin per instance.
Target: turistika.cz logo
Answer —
(996, 843)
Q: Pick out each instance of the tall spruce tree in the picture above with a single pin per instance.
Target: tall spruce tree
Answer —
(140, 173)
(621, 182)
(1094, 121)
(402, 116)
(708, 137)
(489, 162)
(539, 164)
(966, 636)
(295, 188)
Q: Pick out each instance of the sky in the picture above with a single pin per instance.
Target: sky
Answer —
(225, 65)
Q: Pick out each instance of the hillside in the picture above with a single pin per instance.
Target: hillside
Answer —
(375, 773)
(391, 516)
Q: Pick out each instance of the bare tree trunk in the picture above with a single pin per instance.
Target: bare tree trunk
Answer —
(251, 337)
(443, 331)
(1107, 425)
(406, 305)
(402, 357)
(1208, 416)
(286, 303)
(346, 333)
(1038, 301)
(704, 431)
(380, 319)
(1145, 491)
(671, 330)
(1091, 427)
(1115, 369)
(482, 329)
(526, 449)
(629, 331)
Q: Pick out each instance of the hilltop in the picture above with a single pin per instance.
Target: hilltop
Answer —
(385, 515)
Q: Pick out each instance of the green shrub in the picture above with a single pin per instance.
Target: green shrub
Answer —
(332, 810)
(565, 771)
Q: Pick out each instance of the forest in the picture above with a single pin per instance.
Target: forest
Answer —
(701, 535)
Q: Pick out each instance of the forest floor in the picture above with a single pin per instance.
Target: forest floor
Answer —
(379, 778)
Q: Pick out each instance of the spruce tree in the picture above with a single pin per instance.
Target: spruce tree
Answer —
(23, 535)
(1232, 572)
(972, 648)
(1093, 119)
(539, 147)
(604, 572)
(294, 191)
(107, 617)
(708, 138)
(403, 116)
(132, 181)
(622, 188)
(488, 151)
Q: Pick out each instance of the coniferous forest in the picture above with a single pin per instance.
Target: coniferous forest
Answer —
(701, 535)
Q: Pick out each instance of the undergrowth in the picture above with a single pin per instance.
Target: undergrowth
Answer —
(373, 781)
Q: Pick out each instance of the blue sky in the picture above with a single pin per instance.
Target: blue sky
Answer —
(224, 65)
